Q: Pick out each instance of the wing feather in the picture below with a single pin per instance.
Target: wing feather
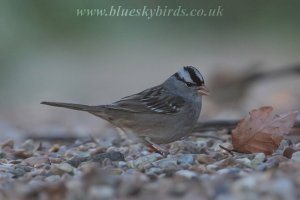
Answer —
(156, 99)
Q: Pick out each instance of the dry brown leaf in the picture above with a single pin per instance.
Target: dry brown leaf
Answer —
(261, 131)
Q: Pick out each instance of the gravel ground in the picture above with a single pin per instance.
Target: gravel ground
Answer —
(196, 168)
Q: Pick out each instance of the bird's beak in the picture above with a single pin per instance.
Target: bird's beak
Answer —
(202, 90)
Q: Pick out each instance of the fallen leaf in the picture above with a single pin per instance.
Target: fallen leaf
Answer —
(262, 132)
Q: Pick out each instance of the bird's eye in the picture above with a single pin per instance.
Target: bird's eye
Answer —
(189, 84)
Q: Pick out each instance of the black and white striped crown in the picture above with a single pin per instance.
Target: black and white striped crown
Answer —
(190, 75)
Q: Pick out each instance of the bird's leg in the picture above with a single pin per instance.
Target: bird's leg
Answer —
(156, 148)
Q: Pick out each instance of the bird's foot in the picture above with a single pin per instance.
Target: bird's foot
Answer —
(156, 148)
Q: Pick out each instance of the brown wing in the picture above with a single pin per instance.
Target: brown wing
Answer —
(154, 100)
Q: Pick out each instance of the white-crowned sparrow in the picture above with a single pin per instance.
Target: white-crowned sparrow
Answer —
(160, 114)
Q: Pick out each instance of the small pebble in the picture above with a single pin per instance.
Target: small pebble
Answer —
(165, 163)
(244, 161)
(246, 183)
(8, 144)
(6, 175)
(98, 150)
(113, 156)
(53, 178)
(122, 164)
(143, 160)
(29, 144)
(205, 159)
(212, 167)
(55, 160)
(296, 156)
(179, 189)
(283, 188)
(60, 169)
(2, 154)
(154, 170)
(297, 146)
(22, 153)
(54, 148)
(36, 161)
(116, 171)
(260, 157)
(274, 161)
(186, 159)
(229, 171)
(101, 192)
(288, 152)
(186, 174)
(256, 162)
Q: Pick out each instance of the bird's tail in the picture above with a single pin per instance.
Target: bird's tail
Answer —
(69, 105)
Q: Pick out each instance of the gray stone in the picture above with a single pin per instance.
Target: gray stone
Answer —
(122, 164)
(212, 167)
(260, 157)
(296, 156)
(6, 175)
(179, 189)
(154, 170)
(283, 188)
(165, 163)
(232, 170)
(257, 161)
(113, 156)
(186, 159)
(244, 161)
(52, 178)
(19, 170)
(60, 169)
(274, 161)
(36, 161)
(142, 161)
(8, 144)
(194, 147)
(101, 192)
(204, 159)
(186, 174)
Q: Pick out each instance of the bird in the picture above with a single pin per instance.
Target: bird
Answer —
(158, 115)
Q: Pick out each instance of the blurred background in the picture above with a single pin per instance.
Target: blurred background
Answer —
(249, 57)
